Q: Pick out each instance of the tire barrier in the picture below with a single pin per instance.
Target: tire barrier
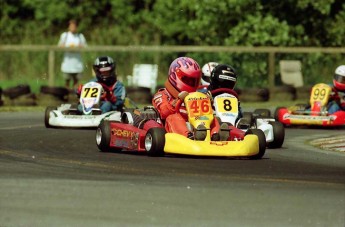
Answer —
(284, 92)
(14, 92)
(141, 95)
(253, 94)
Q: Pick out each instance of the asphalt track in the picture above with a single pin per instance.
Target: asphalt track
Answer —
(57, 177)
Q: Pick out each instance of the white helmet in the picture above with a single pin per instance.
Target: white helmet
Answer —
(206, 72)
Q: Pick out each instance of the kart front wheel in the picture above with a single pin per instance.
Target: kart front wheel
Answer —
(155, 141)
(262, 142)
(278, 135)
(47, 116)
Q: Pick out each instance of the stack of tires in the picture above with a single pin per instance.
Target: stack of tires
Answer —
(20, 95)
(140, 95)
(253, 94)
(53, 96)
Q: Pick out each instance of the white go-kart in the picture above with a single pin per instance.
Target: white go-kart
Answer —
(225, 103)
(68, 115)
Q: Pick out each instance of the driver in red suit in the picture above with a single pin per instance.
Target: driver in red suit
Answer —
(184, 77)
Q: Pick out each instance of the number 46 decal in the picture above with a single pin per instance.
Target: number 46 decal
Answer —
(199, 107)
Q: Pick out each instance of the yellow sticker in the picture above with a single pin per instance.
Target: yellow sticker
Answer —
(199, 107)
(320, 93)
(90, 92)
(227, 104)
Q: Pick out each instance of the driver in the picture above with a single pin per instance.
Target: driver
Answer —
(338, 100)
(184, 77)
(223, 80)
(114, 92)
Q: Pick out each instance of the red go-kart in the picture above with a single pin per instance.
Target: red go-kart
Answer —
(314, 114)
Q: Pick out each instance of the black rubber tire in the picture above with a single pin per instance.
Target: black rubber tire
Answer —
(248, 116)
(253, 94)
(140, 95)
(278, 135)
(103, 134)
(276, 113)
(47, 115)
(60, 92)
(284, 92)
(262, 142)
(262, 112)
(17, 91)
(155, 136)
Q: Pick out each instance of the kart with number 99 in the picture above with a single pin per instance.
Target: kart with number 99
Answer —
(315, 113)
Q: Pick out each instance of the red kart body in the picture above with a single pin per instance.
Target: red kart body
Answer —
(316, 114)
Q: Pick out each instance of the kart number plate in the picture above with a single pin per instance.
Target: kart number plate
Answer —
(199, 107)
(226, 104)
(90, 92)
(320, 93)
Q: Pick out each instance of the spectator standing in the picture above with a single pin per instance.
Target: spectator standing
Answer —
(72, 65)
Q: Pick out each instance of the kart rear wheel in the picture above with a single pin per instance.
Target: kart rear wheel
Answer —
(278, 135)
(155, 141)
(248, 116)
(262, 142)
(103, 134)
(47, 116)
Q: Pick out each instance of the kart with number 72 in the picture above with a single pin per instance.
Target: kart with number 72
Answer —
(68, 115)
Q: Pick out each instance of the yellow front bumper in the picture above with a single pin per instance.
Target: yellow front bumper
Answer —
(178, 144)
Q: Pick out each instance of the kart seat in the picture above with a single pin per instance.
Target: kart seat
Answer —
(137, 117)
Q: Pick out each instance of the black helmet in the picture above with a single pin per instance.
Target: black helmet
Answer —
(105, 68)
(223, 76)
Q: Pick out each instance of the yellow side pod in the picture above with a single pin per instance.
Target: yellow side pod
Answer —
(178, 144)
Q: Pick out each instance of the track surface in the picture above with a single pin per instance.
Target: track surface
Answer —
(57, 177)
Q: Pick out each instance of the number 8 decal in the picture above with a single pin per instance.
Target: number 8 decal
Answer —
(227, 104)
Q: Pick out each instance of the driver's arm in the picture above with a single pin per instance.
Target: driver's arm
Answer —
(163, 104)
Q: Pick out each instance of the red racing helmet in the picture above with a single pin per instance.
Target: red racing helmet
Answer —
(339, 78)
(184, 75)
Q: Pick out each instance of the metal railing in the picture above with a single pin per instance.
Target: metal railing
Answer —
(270, 51)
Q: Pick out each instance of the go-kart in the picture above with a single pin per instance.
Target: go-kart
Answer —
(68, 115)
(313, 114)
(143, 131)
(226, 108)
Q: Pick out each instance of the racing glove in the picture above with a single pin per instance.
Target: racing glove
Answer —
(182, 95)
(79, 89)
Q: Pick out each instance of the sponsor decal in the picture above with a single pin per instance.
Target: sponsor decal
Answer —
(307, 117)
(218, 143)
(82, 117)
(203, 118)
(228, 115)
(122, 133)
(121, 143)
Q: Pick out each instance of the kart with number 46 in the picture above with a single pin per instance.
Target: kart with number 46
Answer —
(143, 131)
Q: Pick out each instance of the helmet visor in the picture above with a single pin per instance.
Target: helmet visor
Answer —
(339, 78)
(192, 82)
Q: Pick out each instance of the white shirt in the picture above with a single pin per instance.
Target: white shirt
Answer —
(72, 61)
